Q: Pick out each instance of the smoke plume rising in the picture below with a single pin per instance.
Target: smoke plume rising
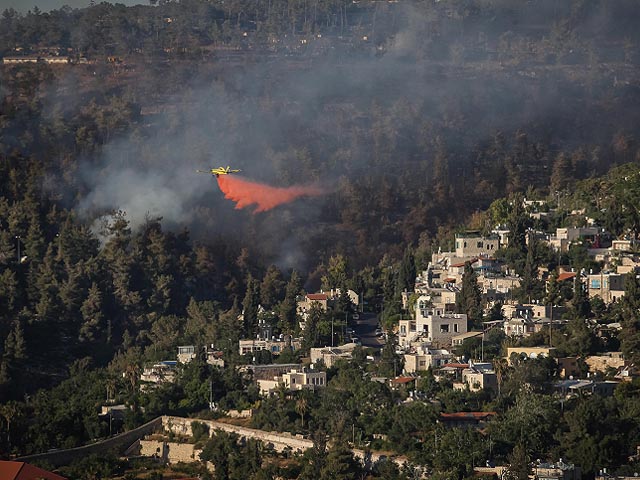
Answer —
(265, 197)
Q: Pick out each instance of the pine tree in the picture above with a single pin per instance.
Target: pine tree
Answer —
(580, 340)
(336, 276)
(519, 468)
(14, 353)
(250, 305)
(407, 274)
(92, 328)
(530, 286)
(72, 292)
(340, 463)
(9, 300)
(561, 175)
(579, 305)
(517, 223)
(7, 248)
(35, 243)
(271, 287)
(288, 307)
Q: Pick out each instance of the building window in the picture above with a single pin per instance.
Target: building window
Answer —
(444, 328)
(479, 244)
(595, 283)
(403, 329)
(455, 327)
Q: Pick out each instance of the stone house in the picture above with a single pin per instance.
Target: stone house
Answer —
(294, 379)
(608, 286)
(423, 358)
(309, 300)
(477, 377)
(431, 325)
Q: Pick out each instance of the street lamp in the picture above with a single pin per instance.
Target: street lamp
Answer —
(18, 242)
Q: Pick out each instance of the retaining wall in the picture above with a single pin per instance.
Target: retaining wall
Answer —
(171, 452)
(117, 444)
(280, 441)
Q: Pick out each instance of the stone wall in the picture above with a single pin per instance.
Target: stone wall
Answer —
(239, 413)
(171, 452)
(117, 444)
(279, 441)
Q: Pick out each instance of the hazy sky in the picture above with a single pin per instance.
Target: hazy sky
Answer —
(45, 5)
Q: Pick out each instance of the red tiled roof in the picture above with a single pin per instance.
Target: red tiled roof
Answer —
(402, 380)
(566, 276)
(317, 296)
(456, 365)
(461, 264)
(24, 471)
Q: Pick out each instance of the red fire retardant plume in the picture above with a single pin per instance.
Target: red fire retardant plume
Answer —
(246, 193)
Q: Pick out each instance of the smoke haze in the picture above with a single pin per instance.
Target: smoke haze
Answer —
(366, 121)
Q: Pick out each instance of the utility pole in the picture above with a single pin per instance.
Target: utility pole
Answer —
(550, 323)
(18, 242)
(331, 331)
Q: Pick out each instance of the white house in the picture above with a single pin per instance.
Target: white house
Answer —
(424, 358)
(432, 326)
(294, 380)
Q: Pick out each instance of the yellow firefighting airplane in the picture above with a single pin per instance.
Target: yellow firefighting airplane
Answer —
(219, 171)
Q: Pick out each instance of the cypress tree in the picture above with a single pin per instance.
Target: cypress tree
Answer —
(469, 298)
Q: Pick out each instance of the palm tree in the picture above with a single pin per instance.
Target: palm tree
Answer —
(501, 366)
(9, 411)
(301, 407)
(132, 373)
(111, 385)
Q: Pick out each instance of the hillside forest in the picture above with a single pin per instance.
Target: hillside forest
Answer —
(418, 119)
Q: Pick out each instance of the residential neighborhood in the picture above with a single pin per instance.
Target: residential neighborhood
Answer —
(320, 240)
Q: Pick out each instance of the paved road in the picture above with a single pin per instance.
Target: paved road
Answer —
(365, 328)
